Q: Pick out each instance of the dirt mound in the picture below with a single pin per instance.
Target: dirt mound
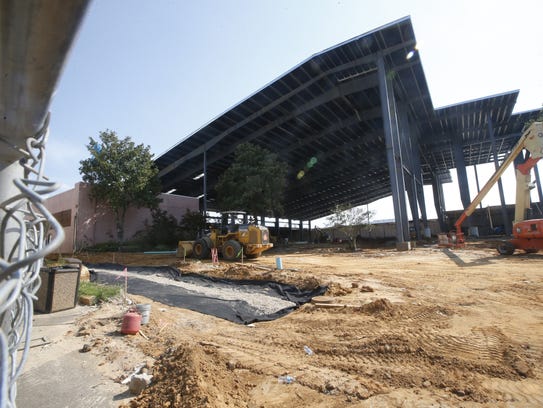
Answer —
(416, 328)
(335, 289)
(378, 306)
(193, 375)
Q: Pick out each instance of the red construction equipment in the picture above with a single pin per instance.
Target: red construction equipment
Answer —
(527, 234)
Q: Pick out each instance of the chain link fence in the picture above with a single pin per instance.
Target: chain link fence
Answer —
(28, 232)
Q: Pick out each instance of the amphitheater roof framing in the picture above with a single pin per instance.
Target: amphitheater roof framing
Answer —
(327, 110)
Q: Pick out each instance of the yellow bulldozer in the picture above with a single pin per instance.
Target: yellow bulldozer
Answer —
(232, 239)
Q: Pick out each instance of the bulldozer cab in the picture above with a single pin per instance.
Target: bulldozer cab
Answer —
(232, 221)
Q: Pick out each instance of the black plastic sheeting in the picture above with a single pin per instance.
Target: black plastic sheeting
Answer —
(238, 311)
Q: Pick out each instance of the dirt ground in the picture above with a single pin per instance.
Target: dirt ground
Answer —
(430, 327)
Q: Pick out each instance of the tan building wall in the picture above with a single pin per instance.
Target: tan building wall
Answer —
(86, 223)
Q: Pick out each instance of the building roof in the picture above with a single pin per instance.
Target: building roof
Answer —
(323, 118)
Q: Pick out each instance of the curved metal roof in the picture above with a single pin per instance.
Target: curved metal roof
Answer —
(324, 119)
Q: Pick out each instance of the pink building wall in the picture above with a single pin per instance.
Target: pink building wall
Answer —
(86, 223)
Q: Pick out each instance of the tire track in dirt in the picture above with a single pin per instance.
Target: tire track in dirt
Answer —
(414, 341)
(281, 359)
(526, 393)
(437, 331)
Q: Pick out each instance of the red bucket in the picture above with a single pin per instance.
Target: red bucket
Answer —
(131, 323)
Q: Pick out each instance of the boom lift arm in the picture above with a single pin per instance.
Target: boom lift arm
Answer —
(532, 141)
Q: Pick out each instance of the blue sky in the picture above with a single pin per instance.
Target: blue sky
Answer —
(157, 71)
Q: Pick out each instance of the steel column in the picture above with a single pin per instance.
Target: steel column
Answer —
(507, 223)
(419, 181)
(439, 202)
(394, 154)
(289, 228)
(417, 171)
(477, 183)
(461, 172)
(205, 185)
(411, 185)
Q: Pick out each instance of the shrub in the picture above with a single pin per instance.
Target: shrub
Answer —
(100, 291)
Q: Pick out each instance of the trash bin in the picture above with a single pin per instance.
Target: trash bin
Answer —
(58, 289)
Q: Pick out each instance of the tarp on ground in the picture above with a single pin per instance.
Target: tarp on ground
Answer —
(240, 301)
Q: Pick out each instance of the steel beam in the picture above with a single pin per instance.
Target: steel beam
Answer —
(341, 90)
(439, 202)
(507, 223)
(461, 172)
(367, 59)
(419, 181)
(393, 148)
(477, 183)
(205, 184)
(407, 155)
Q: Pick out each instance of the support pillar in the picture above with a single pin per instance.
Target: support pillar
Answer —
(409, 170)
(507, 223)
(394, 154)
(411, 195)
(477, 184)
(289, 229)
(204, 207)
(439, 202)
(462, 174)
(420, 191)
(463, 183)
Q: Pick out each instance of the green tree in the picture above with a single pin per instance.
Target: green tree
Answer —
(121, 174)
(163, 232)
(255, 182)
(350, 220)
(191, 224)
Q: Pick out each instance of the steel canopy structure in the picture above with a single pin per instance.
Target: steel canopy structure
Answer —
(354, 123)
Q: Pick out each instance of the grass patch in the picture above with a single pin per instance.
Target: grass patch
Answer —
(100, 291)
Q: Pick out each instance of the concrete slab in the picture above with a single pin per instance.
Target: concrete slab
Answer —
(57, 375)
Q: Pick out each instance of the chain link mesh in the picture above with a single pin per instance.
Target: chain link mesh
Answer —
(37, 233)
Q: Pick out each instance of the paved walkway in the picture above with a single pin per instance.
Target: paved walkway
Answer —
(57, 375)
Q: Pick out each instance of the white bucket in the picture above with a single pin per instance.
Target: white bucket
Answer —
(145, 311)
(442, 239)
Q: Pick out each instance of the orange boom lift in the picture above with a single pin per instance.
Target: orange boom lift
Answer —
(527, 234)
